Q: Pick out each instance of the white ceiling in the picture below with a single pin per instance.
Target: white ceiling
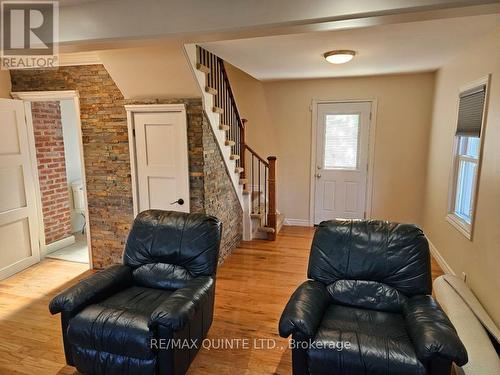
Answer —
(386, 49)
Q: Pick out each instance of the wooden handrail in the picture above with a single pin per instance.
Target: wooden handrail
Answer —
(257, 174)
(251, 150)
(230, 91)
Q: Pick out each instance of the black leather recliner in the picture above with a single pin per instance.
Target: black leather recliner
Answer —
(367, 308)
(121, 320)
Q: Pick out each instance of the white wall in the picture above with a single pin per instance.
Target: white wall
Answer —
(479, 258)
(72, 155)
(280, 123)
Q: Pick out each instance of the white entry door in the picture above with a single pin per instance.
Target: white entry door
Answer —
(161, 160)
(342, 150)
(19, 247)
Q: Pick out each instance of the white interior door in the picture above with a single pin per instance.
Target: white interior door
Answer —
(19, 247)
(342, 151)
(162, 160)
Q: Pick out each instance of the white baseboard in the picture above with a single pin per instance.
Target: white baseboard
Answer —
(59, 244)
(439, 258)
(297, 222)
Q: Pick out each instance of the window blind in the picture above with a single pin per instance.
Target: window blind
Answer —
(470, 112)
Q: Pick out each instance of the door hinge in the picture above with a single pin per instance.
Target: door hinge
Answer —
(133, 132)
(370, 116)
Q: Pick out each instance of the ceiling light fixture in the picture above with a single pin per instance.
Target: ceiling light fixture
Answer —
(339, 56)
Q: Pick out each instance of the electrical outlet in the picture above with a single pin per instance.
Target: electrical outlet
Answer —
(464, 277)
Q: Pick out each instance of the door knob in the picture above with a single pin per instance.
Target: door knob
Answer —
(317, 175)
(179, 201)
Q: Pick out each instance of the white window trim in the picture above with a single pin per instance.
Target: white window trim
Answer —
(451, 217)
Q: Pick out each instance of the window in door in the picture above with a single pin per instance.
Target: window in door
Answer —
(341, 141)
(467, 159)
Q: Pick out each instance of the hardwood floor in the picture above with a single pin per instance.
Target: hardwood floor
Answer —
(253, 285)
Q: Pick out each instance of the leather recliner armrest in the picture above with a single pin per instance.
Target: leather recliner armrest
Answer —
(182, 304)
(431, 332)
(98, 286)
(304, 311)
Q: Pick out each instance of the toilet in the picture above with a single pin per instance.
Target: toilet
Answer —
(78, 215)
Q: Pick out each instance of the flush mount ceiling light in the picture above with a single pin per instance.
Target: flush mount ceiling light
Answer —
(339, 56)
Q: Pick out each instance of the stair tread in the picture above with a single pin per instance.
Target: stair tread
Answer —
(202, 68)
(223, 127)
(267, 229)
(210, 90)
(217, 110)
(234, 157)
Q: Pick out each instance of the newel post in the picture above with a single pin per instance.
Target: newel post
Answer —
(243, 147)
(271, 216)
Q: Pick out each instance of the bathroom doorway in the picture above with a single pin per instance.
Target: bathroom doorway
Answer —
(63, 210)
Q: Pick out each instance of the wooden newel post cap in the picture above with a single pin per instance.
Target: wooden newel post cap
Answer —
(271, 158)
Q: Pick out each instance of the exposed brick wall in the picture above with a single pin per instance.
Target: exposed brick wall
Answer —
(107, 161)
(220, 198)
(105, 149)
(54, 192)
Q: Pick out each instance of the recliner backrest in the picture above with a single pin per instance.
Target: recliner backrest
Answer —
(165, 248)
(371, 263)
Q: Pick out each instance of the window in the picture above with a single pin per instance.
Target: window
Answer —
(341, 142)
(467, 159)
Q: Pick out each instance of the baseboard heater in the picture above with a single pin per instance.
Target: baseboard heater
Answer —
(476, 329)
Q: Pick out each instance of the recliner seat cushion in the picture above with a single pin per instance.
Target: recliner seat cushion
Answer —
(119, 324)
(379, 344)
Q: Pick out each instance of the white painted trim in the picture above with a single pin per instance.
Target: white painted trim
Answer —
(155, 108)
(79, 58)
(214, 121)
(141, 108)
(297, 222)
(40, 96)
(59, 244)
(440, 259)
(467, 229)
(34, 164)
(371, 152)
(460, 225)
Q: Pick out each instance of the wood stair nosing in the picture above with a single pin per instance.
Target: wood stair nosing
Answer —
(203, 68)
(210, 90)
(218, 110)
(224, 127)
(234, 157)
(229, 143)
(267, 229)
(238, 170)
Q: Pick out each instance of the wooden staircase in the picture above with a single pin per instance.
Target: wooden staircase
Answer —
(254, 177)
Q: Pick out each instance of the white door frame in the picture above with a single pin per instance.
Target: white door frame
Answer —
(371, 152)
(141, 108)
(43, 96)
